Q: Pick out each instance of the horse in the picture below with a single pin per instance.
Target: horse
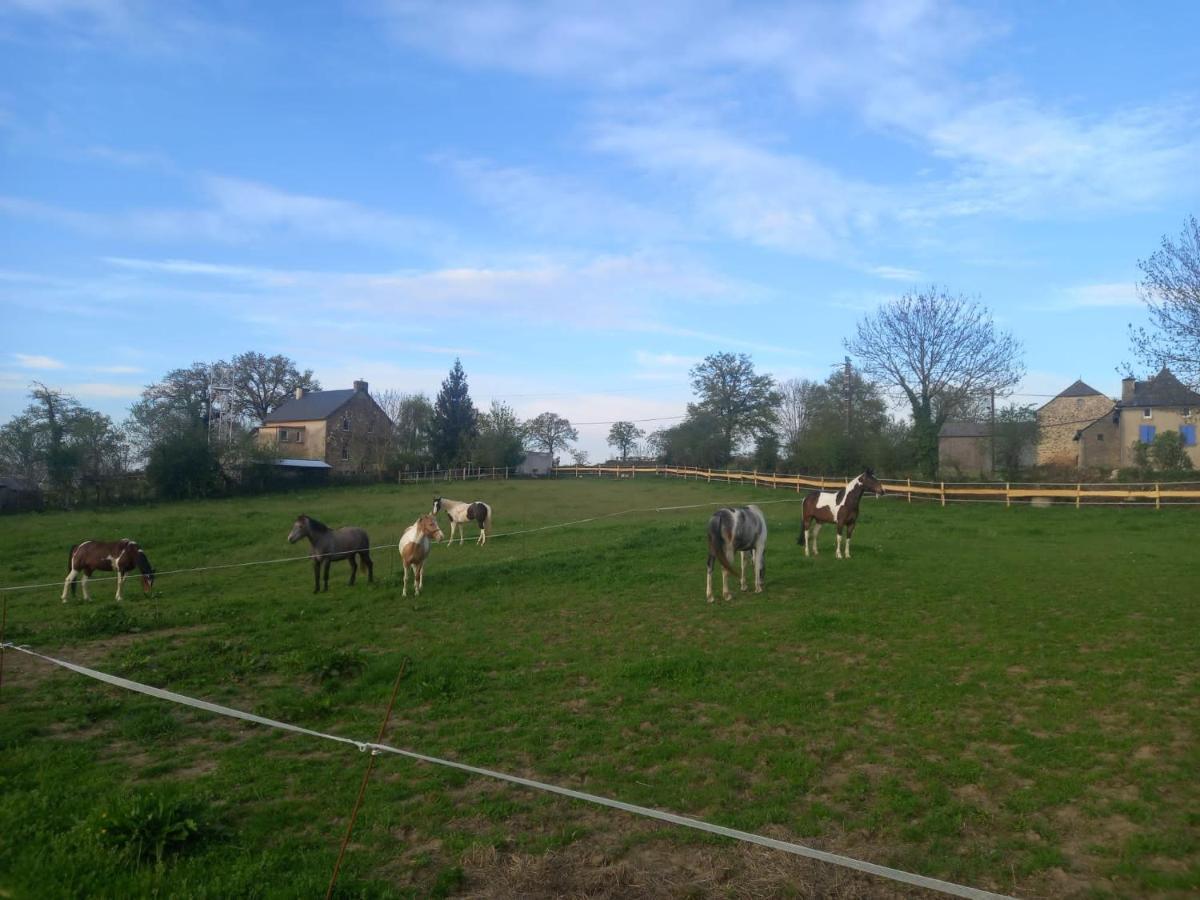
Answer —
(121, 556)
(736, 529)
(414, 548)
(839, 508)
(460, 513)
(329, 545)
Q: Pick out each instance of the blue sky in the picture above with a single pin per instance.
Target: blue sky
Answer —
(580, 200)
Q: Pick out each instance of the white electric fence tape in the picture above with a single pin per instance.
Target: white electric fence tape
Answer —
(933, 884)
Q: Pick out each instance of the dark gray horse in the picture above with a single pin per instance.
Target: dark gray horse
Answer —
(736, 530)
(329, 545)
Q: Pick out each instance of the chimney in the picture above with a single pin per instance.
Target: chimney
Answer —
(360, 386)
(1127, 389)
(300, 392)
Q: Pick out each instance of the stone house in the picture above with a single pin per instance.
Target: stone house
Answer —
(1148, 408)
(345, 430)
(537, 463)
(1100, 442)
(1061, 420)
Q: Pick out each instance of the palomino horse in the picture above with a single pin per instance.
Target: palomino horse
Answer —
(838, 508)
(329, 545)
(461, 513)
(742, 529)
(414, 548)
(121, 556)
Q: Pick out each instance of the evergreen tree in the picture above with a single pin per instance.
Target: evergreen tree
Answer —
(455, 423)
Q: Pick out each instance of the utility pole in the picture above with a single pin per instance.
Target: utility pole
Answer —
(992, 394)
(848, 396)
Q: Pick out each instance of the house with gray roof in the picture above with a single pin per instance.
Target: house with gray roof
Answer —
(1148, 408)
(345, 431)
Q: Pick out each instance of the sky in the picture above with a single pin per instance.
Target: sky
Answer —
(581, 201)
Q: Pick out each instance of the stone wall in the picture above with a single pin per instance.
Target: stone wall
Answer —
(1058, 422)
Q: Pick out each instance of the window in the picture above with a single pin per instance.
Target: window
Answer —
(283, 435)
(370, 425)
(1187, 412)
(345, 452)
(1147, 413)
(1079, 403)
(1188, 433)
(1146, 434)
(345, 423)
(1100, 436)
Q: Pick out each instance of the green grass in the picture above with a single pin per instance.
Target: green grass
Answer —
(1001, 697)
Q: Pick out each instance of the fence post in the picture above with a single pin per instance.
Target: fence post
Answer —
(909, 489)
(943, 493)
(1078, 494)
(1007, 494)
(1157, 496)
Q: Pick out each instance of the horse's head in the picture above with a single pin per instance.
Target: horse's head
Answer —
(872, 484)
(147, 570)
(437, 506)
(299, 529)
(428, 525)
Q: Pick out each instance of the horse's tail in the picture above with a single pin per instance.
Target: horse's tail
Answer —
(71, 565)
(720, 537)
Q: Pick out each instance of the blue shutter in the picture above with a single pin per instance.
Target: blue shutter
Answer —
(1188, 433)
(1146, 434)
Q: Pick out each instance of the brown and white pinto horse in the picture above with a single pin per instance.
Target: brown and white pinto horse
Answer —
(461, 513)
(121, 556)
(329, 545)
(414, 548)
(838, 508)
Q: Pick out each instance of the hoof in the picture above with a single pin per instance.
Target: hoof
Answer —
(728, 596)
(710, 600)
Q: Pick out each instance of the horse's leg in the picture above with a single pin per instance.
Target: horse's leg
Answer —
(404, 569)
(816, 531)
(725, 584)
(849, 534)
(462, 533)
(67, 584)
(366, 561)
(708, 580)
(87, 595)
(418, 576)
(742, 559)
(804, 527)
(328, 563)
(838, 530)
(316, 575)
(760, 577)
(120, 582)
(353, 568)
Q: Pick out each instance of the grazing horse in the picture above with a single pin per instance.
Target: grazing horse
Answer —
(329, 545)
(742, 529)
(414, 548)
(839, 508)
(461, 513)
(121, 556)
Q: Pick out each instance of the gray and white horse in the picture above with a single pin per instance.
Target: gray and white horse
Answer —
(461, 513)
(329, 545)
(743, 530)
(837, 508)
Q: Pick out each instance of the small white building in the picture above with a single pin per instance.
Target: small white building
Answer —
(537, 463)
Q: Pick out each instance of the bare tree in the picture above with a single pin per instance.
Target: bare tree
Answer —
(1170, 288)
(794, 409)
(623, 436)
(942, 352)
(548, 431)
(261, 383)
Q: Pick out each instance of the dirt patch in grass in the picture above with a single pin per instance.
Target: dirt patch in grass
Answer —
(661, 868)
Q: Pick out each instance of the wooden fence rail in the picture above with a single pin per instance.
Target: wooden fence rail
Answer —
(943, 492)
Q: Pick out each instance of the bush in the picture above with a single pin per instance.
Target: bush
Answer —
(147, 826)
(184, 467)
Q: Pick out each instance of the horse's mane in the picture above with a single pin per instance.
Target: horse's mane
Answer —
(316, 525)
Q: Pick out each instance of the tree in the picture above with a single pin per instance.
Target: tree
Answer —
(741, 402)
(455, 421)
(1169, 452)
(262, 383)
(793, 410)
(180, 403)
(579, 457)
(183, 467)
(942, 352)
(696, 441)
(1170, 288)
(623, 436)
(845, 426)
(20, 454)
(412, 422)
(501, 437)
(548, 431)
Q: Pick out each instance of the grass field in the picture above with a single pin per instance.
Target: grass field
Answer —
(1005, 698)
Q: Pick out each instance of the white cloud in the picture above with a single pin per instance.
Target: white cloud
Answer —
(1102, 295)
(27, 361)
(896, 273)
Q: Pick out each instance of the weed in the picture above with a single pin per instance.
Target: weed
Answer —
(149, 826)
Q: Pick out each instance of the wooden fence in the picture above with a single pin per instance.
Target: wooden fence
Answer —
(943, 492)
